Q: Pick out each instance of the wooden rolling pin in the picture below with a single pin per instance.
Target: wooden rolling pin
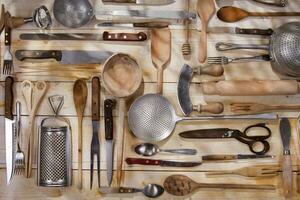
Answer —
(244, 88)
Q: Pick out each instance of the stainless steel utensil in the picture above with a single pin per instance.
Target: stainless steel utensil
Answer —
(152, 117)
(141, 2)
(150, 190)
(149, 149)
(19, 168)
(222, 60)
(278, 3)
(284, 48)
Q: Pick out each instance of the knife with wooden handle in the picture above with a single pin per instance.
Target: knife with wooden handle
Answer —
(287, 173)
(143, 161)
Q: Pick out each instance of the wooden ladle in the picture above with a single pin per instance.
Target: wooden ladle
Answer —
(206, 9)
(234, 14)
(160, 53)
(180, 185)
(79, 97)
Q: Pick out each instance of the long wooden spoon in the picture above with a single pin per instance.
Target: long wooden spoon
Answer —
(234, 14)
(180, 185)
(206, 9)
(160, 53)
(79, 97)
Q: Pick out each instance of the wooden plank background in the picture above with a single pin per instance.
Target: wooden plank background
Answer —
(138, 176)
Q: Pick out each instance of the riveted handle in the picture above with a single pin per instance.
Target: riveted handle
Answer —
(254, 31)
(142, 161)
(109, 104)
(141, 36)
(9, 97)
(38, 54)
(96, 98)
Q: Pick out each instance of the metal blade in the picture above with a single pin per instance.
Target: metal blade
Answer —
(183, 94)
(251, 156)
(154, 2)
(207, 133)
(109, 190)
(61, 36)
(84, 57)
(176, 15)
(109, 160)
(179, 164)
(285, 132)
(9, 149)
(222, 30)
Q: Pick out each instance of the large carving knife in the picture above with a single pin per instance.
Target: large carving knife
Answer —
(287, 174)
(9, 128)
(183, 86)
(109, 104)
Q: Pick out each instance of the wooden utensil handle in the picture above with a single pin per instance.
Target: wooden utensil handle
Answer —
(221, 172)
(119, 1)
(109, 104)
(274, 14)
(212, 107)
(152, 24)
(215, 70)
(16, 22)
(253, 31)
(284, 107)
(9, 97)
(203, 44)
(38, 54)
(287, 175)
(160, 80)
(7, 36)
(96, 98)
(141, 36)
(142, 161)
(79, 184)
(240, 88)
(236, 186)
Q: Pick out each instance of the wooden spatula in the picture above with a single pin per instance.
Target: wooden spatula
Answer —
(160, 53)
(80, 96)
(206, 9)
(258, 108)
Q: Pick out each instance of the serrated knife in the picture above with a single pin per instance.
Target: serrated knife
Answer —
(287, 173)
(109, 104)
(65, 56)
(163, 163)
(9, 128)
(141, 2)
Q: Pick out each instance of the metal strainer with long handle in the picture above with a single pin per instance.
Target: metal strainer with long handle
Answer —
(284, 48)
(152, 117)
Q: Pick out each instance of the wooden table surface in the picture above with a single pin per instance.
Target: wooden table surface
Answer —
(138, 176)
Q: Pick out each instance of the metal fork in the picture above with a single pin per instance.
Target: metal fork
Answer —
(7, 64)
(222, 60)
(19, 168)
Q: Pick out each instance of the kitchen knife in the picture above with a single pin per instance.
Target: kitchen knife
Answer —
(224, 157)
(9, 128)
(237, 30)
(106, 36)
(161, 24)
(287, 174)
(64, 56)
(141, 2)
(163, 163)
(153, 14)
(206, 133)
(109, 104)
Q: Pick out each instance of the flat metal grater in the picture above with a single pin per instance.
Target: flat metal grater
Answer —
(54, 151)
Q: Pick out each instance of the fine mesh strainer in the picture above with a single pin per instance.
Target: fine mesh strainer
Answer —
(152, 117)
(284, 48)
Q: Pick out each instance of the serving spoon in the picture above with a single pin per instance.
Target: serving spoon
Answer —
(149, 149)
(233, 14)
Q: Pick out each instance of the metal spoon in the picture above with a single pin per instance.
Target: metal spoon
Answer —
(150, 190)
(148, 149)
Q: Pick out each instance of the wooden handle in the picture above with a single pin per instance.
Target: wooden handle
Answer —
(253, 31)
(283, 107)
(119, 1)
(152, 24)
(16, 22)
(203, 44)
(273, 14)
(215, 70)
(298, 182)
(95, 99)
(221, 172)
(212, 107)
(38, 54)
(7, 36)
(109, 104)
(160, 80)
(79, 184)
(236, 186)
(128, 190)
(9, 97)
(244, 88)
(141, 36)
(142, 161)
(287, 175)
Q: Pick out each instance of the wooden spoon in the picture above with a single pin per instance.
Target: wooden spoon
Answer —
(160, 53)
(180, 185)
(206, 9)
(79, 97)
(234, 14)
